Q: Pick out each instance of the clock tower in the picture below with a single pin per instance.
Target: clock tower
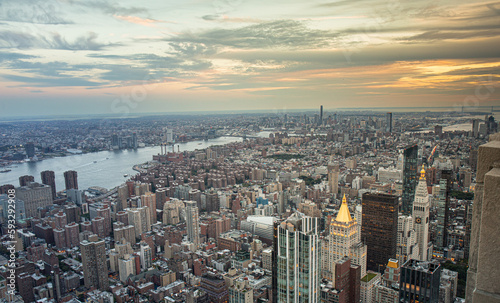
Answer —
(421, 208)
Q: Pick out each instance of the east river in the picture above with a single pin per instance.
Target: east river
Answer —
(105, 169)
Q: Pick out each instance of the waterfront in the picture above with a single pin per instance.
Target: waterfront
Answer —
(105, 168)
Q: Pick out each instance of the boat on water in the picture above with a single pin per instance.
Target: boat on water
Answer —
(126, 175)
(95, 161)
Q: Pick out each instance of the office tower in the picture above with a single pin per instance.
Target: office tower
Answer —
(95, 268)
(49, 178)
(410, 156)
(140, 219)
(193, 223)
(379, 229)
(343, 241)
(333, 177)
(149, 200)
(35, 196)
(475, 128)
(321, 115)
(419, 282)
(71, 179)
(30, 150)
(297, 257)
(115, 144)
(438, 130)
(146, 256)
(388, 290)
(134, 141)
(215, 286)
(388, 122)
(484, 273)
(241, 291)
(421, 209)
(25, 180)
(442, 210)
(407, 239)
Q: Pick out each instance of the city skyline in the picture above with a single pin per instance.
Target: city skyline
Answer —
(75, 57)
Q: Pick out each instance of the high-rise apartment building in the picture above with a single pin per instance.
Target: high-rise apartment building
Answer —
(140, 218)
(71, 179)
(410, 155)
(297, 256)
(146, 256)
(343, 241)
(25, 180)
(193, 222)
(95, 267)
(149, 200)
(379, 229)
(421, 209)
(35, 196)
(49, 178)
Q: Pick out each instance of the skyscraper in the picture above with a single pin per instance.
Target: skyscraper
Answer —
(442, 210)
(149, 200)
(321, 115)
(407, 239)
(388, 122)
(410, 156)
(421, 208)
(333, 177)
(49, 178)
(343, 241)
(35, 196)
(140, 219)
(30, 149)
(379, 229)
(419, 282)
(95, 268)
(193, 222)
(146, 256)
(24, 180)
(297, 274)
(71, 179)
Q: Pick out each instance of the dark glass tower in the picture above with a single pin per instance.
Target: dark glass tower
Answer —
(442, 211)
(379, 229)
(419, 282)
(410, 155)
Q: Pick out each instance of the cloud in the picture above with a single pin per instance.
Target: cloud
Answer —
(281, 33)
(50, 82)
(23, 40)
(113, 8)
(140, 21)
(33, 11)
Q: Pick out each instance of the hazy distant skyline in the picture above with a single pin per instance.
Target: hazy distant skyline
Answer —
(98, 57)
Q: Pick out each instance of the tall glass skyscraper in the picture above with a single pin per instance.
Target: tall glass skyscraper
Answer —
(297, 244)
(410, 158)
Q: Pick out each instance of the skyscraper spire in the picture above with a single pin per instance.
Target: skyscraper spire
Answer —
(344, 215)
(422, 173)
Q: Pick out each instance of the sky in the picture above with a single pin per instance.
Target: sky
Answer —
(70, 57)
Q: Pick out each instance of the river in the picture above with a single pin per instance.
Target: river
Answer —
(105, 169)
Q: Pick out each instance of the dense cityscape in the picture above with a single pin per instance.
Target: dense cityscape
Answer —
(314, 206)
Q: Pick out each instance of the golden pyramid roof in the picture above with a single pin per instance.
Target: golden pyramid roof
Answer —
(344, 215)
(422, 173)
